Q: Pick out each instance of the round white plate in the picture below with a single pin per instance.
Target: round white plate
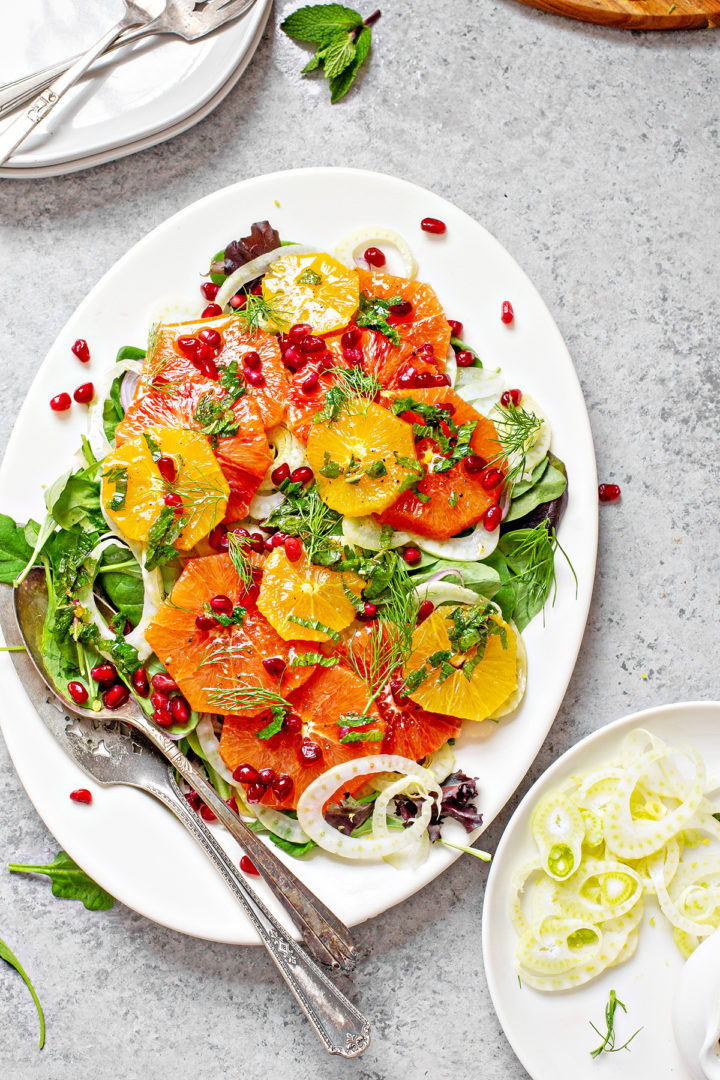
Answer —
(551, 1033)
(126, 841)
(127, 104)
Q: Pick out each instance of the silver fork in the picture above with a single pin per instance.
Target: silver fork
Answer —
(188, 19)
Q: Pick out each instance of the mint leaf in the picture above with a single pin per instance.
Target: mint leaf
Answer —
(164, 531)
(10, 958)
(319, 21)
(335, 57)
(69, 882)
(341, 83)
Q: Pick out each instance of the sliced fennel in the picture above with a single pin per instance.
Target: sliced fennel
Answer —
(366, 532)
(351, 247)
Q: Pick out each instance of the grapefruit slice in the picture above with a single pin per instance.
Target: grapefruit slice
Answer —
(314, 289)
(133, 491)
(492, 681)
(210, 666)
(322, 702)
(361, 461)
(456, 498)
(299, 590)
(167, 368)
(244, 457)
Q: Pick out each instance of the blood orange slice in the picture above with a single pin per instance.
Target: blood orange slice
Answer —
(306, 602)
(211, 666)
(412, 732)
(456, 499)
(244, 457)
(321, 704)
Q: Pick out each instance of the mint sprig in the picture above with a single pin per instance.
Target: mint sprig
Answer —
(343, 42)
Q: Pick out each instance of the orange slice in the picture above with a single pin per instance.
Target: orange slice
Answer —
(491, 683)
(199, 483)
(314, 289)
(208, 665)
(299, 590)
(373, 453)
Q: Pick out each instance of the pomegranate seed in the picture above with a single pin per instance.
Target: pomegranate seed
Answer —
(84, 393)
(293, 548)
(425, 378)
(257, 542)
(445, 430)
(205, 622)
(311, 344)
(208, 368)
(282, 786)
(81, 795)
(491, 479)
(206, 813)
(77, 692)
(209, 290)
(456, 328)
(257, 289)
(507, 314)
(511, 395)
(368, 612)
(238, 302)
(211, 311)
(81, 350)
(231, 802)
(309, 752)
(351, 338)
(180, 710)
(277, 540)
(254, 378)
(397, 686)
(292, 724)
(403, 308)
(464, 358)
(164, 683)
(141, 683)
(374, 256)
(266, 776)
(211, 337)
(293, 358)
(252, 360)
(424, 611)
(222, 605)
(188, 345)
(408, 377)
(608, 493)
(492, 518)
(60, 402)
(309, 384)
(353, 356)
(275, 666)
(243, 533)
(255, 792)
(116, 696)
(173, 499)
(158, 700)
(248, 867)
(325, 362)
(216, 537)
(299, 331)
(163, 717)
(202, 354)
(104, 673)
(474, 464)
(433, 225)
(245, 774)
(280, 474)
(167, 468)
(193, 798)
(411, 555)
(303, 475)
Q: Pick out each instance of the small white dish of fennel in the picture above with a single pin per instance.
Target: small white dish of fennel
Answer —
(606, 879)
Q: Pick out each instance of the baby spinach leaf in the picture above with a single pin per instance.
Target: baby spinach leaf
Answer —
(113, 411)
(123, 588)
(549, 487)
(69, 882)
(10, 958)
(15, 551)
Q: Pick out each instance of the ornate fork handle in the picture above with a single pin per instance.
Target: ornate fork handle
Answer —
(341, 1027)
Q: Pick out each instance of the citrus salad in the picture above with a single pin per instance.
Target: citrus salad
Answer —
(306, 532)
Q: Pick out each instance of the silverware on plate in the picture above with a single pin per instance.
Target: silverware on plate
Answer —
(123, 749)
(178, 17)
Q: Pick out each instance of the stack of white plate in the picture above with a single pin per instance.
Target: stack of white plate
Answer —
(138, 96)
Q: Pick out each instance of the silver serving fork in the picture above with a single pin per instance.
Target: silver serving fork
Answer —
(188, 19)
(113, 751)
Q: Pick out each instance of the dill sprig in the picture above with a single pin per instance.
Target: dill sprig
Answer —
(351, 393)
(389, 642)
(515, 427)
(249, 700)
(199, 492)
(607, 1046)
(530, 555)
(239, 553)
(154, 365)
(257, 313)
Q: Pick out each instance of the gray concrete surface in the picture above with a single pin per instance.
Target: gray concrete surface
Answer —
(593, 156)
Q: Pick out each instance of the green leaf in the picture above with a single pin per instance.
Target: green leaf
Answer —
(292, 849)
(69, 882)
(130, 352)
(340, 84)
(373, 313)
(123, 588)
(15, 551)
(273, 728)
(317, 22)
(312, 65)
(336, 56)
(113, 412)
(363, 736)
(164, 531)
(550, 487)
(10, 958)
